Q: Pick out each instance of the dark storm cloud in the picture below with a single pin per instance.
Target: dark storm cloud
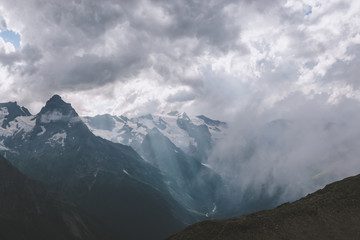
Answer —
(203, 20)
(91, 71)
(23, 62)
(66, 34)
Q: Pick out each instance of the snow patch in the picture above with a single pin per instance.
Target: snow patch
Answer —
(23, 124)
(3, 113)
(2, 146)
(43, 130)
(105, 134)
(206, 165)
(214, 209)
(198, 121)
(58, 138)
(120, 139)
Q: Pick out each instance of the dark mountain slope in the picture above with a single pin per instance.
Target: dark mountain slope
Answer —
(330, 213)
(29, 211)
(106, 179)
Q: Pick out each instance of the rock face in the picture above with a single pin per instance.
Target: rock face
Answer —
(29, 211)
(330, 213)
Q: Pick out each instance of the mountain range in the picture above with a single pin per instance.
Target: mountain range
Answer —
(146, 177)
(175, 144)
(160, 188)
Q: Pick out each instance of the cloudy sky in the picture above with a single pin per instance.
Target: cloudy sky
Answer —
(210, 57)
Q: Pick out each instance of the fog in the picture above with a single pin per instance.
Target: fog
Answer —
(290, 149)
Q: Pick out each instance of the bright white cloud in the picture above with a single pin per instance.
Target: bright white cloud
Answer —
(272, 49)
(220, 51)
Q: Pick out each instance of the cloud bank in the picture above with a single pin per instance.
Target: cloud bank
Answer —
(292, 149)
(220, 53)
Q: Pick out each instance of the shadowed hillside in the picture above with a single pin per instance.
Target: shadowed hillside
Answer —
(29, 211)
(330, 213)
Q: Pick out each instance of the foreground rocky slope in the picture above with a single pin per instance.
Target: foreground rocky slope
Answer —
(330, 213)
(29, 211)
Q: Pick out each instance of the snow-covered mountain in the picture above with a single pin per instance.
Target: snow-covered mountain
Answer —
(194, 135)
(162, 185)
(14, 120)
(170, 187)
(175, 144)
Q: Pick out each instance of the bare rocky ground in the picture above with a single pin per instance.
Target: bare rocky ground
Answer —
(329, 213)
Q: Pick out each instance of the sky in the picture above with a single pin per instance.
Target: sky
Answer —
(209, 57)
(284, 74)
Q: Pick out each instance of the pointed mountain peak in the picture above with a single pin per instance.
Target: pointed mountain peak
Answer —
(183, 115)
(57, 110)
(56, 98)
(179, 114)
(55, 103)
